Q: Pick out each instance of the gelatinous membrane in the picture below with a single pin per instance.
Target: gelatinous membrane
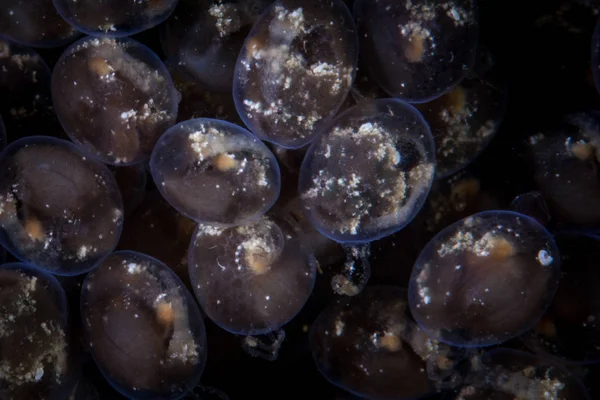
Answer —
(533, 205)
(34, 23)
(364, 86)
(370, 346)
(205, 37)
(506, 374)
(251, 279)
(132, 184)
(215, 172)
(464, 120)
(291, 161)
(114, 98)
(368, 173)
(327, 252)
(25, 103)
(417, 49)
(114, 18)
(570, 329)
(158, 230)
(145, 331)
(454, 198)
(198, 102)
(295, 69)
(484, 279)
(566, 165)
(58, 209)
(37, 357)
(354, 273)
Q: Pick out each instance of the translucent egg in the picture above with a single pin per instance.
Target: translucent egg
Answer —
(465, 119)
(145, 331)
(504, 374)
(204, 37)
(215, 172)
(114, 98)
(370, 346)
(417, 49)
(34, 23)
(295, 69)
(367, 175)
(58, 209)
(484, 279)
(254, 278)
(565, 160)
(114, 18)
(36, 353)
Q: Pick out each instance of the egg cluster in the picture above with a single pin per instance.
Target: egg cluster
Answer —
(192, 188)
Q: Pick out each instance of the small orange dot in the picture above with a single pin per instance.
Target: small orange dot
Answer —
(456, 99)
(546, 328)
(583, 151)
(415, 48)
(258, 261)
(444, 363)
(225, 162)
(253, 45)
(99, 66)
(164, 314)
(465, 188)
(501, 248)
(390, 342)
(34, 229)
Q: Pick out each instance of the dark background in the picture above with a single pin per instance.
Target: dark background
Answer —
(545, 54)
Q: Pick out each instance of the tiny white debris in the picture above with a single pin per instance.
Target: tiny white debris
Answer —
(82, 252)
(424, 294)
(133, 268)
(128, 114)
(223, 24)
(339, 327)
(208, 230)
(117, 214)
(324, 69)
(544, 258)
(45, 328)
